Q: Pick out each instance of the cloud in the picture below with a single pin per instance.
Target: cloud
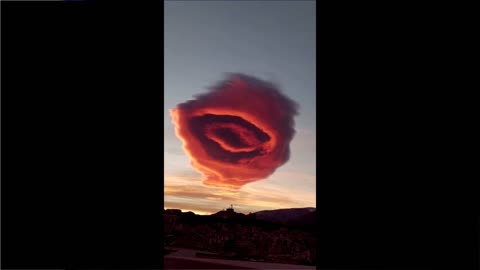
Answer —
(189, 193)
(237, 133)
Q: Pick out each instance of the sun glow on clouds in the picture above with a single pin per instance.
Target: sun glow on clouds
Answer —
(189, 194)
(291, 186)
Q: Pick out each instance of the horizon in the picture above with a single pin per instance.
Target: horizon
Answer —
(223, 209)
(272, 41)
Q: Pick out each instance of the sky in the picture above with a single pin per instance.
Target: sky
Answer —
(271, 40)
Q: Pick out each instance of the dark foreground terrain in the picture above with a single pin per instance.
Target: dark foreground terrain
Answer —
(177, 263)
(281, 237)
(181, 258)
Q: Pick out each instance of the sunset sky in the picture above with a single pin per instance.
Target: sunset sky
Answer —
(272, 40)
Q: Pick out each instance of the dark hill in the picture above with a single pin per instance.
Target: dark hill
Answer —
(302, 218)
(291, 216)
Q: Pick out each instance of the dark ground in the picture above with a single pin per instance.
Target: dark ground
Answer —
(174, 263)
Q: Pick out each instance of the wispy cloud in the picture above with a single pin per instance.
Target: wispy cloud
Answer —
(185, 191)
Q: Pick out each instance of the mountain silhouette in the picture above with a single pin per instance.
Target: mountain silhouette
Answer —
(291, 216)
(294, 217)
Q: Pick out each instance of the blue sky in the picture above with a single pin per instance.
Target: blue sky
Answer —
(272, 40)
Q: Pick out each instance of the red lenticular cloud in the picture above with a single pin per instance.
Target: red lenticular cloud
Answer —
(238, 132)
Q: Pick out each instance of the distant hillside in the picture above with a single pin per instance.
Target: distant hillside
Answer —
(231, 214)
(302, 218)
(291, 216)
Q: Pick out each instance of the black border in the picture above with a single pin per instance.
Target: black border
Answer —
(393, 190)
(82, 128)
(81, 87)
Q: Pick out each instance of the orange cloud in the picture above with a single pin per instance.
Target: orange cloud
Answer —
(237, 133)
